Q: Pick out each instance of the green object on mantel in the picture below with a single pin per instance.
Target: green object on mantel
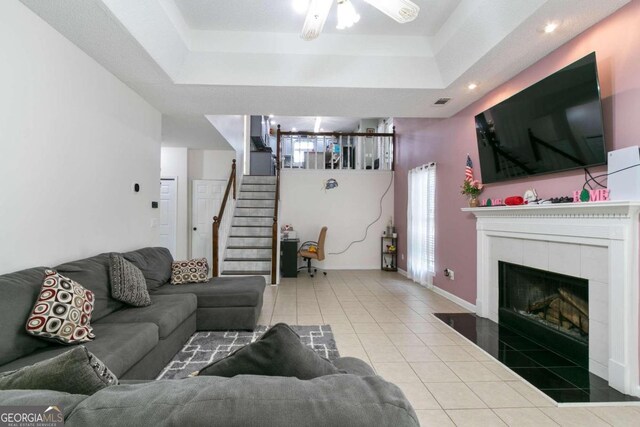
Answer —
(584, 195)
(489, 202)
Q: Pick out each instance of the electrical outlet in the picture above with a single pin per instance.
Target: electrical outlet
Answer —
(449, 273)
(402, 257)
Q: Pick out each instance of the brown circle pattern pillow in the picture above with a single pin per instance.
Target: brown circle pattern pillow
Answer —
(192, 271)
(62, 311)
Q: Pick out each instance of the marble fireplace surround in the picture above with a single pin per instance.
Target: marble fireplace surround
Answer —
(596, 241)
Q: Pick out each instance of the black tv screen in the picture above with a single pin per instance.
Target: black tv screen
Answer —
(553, 125)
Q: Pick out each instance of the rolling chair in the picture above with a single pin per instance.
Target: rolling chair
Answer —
(307, 255)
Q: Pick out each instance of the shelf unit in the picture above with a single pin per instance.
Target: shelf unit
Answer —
(388, 259)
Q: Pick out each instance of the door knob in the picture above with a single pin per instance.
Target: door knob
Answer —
(195, 228)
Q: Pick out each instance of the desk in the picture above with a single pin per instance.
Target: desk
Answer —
(289, 257)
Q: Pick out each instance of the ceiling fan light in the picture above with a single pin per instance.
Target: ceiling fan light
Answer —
(401, 11)
(316, 17)
(347, 15)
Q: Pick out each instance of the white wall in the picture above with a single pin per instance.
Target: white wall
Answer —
(193, 132)
(73, 140)
(174, 164)
(345, 210)
(235, 129)
(210, 164)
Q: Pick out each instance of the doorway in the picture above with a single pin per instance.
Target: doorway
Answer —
(168, 214)
(206, 199)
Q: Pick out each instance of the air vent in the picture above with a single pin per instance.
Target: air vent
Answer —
(442, 101)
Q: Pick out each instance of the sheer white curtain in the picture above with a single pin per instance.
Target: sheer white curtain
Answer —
(421, 225)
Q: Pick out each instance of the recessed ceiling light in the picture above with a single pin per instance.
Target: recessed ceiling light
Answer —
(472, 86)
(550, 27)
(294, 130)
(300, 6)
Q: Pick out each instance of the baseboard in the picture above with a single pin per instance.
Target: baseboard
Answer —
(451, 297)
(402, 272)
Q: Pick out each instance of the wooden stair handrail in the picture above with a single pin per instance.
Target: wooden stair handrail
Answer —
(218, 219)
(274, 227)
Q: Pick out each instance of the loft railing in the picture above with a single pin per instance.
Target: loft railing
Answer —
(217, 220)
(336, 150)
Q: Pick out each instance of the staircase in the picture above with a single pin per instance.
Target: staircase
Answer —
(248, 251)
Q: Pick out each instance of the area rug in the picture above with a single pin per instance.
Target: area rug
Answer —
(206, 347)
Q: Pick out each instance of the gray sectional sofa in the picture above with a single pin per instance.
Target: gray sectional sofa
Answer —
(136, 343)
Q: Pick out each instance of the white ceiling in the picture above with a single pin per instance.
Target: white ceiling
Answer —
(249, 59)
(278, 16)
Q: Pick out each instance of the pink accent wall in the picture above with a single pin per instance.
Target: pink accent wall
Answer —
(616, 41)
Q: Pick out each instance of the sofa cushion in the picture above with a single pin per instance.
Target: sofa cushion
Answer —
(247, 400)
(191, 271)
(279, 352)
(75, 371)
(93, 274)
(127, 282)
(19, 291)
(353, 365)
(166, 311)
(118, 345)
(62, 311)
(222, 291)
(155, 264)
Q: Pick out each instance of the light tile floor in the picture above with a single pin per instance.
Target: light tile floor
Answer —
(387, 321)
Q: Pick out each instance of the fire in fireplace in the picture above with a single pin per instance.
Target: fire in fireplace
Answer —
(550, 308)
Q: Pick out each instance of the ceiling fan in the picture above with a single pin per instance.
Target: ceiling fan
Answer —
(401, 11)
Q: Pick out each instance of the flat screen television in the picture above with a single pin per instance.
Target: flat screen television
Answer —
(554, 125)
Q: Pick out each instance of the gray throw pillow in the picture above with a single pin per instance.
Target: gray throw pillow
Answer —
(279, 352)
(127, 282)
(76, 371)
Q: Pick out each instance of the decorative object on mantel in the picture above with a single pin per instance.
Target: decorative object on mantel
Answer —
(563, 199)
(599, 195)
(531, 195)
(471, 187)
(514, 201)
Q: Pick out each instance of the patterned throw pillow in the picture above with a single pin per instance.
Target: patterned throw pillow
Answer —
(192, 271)
(62, 311)
(127, 282)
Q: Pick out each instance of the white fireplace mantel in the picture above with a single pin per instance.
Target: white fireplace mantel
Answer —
(597, 241)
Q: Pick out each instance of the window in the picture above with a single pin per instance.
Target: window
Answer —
(421, 225)
(299, 148)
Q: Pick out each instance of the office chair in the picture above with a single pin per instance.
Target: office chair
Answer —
(307, 256)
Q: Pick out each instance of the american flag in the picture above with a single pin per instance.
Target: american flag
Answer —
(468, 171)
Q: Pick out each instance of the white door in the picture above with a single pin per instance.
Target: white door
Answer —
(206, 198)
(168, 213)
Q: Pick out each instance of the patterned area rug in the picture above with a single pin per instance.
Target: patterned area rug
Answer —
(206, 347)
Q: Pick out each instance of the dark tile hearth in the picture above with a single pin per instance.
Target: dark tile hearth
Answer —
(554, 375)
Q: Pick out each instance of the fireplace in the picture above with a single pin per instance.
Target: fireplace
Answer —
(549, 308)
(593, 241)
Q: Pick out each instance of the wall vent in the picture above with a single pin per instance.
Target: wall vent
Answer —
(442, 101)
